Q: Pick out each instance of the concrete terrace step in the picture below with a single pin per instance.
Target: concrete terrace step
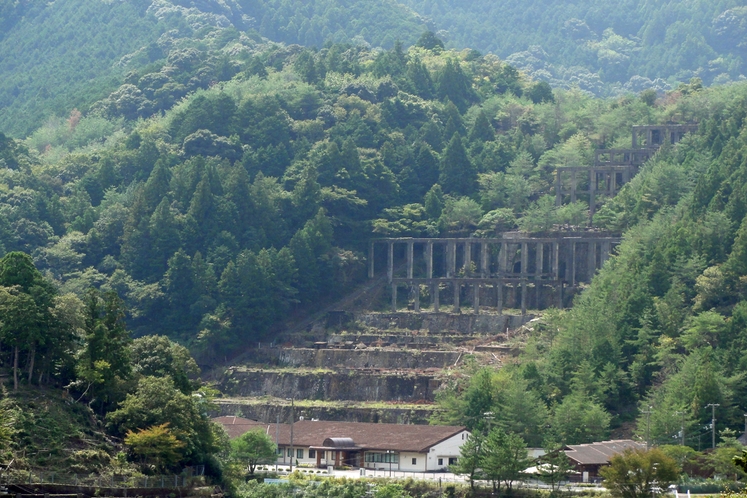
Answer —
(322, 384)
(270, 409)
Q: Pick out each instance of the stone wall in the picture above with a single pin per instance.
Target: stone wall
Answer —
(353, 385)
(436, 323)
(366, 358)
(269, 413)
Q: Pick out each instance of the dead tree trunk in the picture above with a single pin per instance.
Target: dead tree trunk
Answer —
(32, 356)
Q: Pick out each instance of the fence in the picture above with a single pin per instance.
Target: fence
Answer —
(22, 477)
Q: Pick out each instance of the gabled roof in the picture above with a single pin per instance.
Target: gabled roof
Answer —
(599, 453)
(367, 436)
(236, 426)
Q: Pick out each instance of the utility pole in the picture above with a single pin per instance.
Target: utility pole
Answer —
(277, 438)
(648, 425)
(489, 416)
(713, 423)
(682, 430)
(293, 419)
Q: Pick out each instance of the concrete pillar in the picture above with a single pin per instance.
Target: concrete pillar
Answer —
(503, 259)
(524, 259)
(592, 259)
(435, 296)
(605, 253)
(523, 297)
(484, 260)
(573, 185)
(592, 192)
(410, 257)
(559, 291)
(390, 261)
(457, 288)
(499, 297)
(371, 260)
(450, 259)
(556, 260)
(415, 289)
(573, 263)
(540, 259)
(429, 259)
(476, 297)
(613, 183)
(468, 259)
(394, 297)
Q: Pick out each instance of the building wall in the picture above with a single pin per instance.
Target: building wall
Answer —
(449, 448)
(405, 462)
(424, 462)
(284, 459)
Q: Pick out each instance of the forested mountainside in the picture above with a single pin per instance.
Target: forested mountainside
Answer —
(214, 214)
(594, 43)
(662, 327)
(56, 56)
(227, 182)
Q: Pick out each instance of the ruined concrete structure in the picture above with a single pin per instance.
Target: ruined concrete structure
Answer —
(613, 168)
(514, 271)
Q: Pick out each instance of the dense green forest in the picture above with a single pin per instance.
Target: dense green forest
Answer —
(595, 43)
(225, 182)
(659, 335)
(57, 56)
(112, 384)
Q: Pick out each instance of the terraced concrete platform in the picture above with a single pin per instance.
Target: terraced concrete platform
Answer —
(372, 367)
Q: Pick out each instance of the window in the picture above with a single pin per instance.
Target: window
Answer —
(452, 460)
(312, 453)
(280, 451)
(440, 461)
(289, 453)
(373, 457)
(462, 436)
(299, 453)
(414, 461)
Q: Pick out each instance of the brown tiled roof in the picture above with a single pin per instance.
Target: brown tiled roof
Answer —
(599, 453)
(236, 426)
(398, 437)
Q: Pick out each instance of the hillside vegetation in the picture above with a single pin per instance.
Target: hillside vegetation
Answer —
(600, 45)
(57, 56)
(226, 183)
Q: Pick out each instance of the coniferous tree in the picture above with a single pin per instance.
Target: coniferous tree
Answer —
(454, 85)
(431, 134)
(458, 175)
(420, 79)
(157, 186)
(481, 130)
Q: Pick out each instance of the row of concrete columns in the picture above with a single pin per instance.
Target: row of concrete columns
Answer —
(508, 248)
(598, 250)
(497, 286)
(606, 176)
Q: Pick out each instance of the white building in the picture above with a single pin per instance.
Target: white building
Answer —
(408, 448)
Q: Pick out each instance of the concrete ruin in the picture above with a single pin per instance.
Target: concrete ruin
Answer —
(516, 271)
(613, 168)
